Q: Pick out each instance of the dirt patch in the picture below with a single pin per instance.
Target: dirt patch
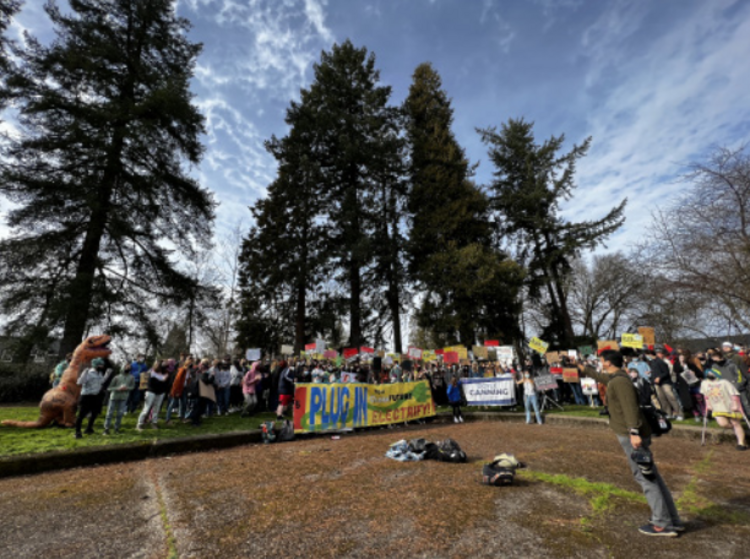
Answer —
(325, 498)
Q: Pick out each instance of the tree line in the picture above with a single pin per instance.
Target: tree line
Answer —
(374, 215)
(375, 207)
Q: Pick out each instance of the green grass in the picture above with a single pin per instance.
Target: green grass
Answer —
(15, 441)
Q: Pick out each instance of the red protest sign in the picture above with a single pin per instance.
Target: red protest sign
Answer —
(440, 352)
(350, 352)
(450, 357)
(367, 350)
(491, 343)
(310, 348)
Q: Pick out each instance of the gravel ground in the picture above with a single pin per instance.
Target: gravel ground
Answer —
(319, 497)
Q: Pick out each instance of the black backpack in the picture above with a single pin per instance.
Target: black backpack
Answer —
(286, 433)
(449, 451)
(657, 420)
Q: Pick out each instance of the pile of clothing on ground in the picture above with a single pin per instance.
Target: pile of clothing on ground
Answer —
(502, 470)
(421, 449)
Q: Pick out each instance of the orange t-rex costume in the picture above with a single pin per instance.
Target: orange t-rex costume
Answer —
(59, 404)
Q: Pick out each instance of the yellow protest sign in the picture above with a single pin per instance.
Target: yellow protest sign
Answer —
(428, 355)
(632, 340)
(538, 345)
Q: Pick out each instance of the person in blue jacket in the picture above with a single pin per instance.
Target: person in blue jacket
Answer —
(454, 399)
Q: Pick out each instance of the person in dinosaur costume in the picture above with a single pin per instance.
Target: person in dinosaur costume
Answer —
(59, 404)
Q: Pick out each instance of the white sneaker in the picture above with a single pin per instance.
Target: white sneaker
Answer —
(455, 420)
(680, 418)
(461, 419)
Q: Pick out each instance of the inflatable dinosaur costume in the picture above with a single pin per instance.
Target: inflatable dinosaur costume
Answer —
(59, 404)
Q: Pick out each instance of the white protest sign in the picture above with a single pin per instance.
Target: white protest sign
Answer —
(588, 385)
(252, 355)
(287, 349)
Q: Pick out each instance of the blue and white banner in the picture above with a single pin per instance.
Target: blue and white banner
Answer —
(498, 391)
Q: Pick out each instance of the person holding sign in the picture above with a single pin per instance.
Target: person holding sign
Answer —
(634, 435)
(529, 397)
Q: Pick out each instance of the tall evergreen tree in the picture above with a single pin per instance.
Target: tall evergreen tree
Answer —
(98, 174)
(462, 277)
(8, 9)
(530, 182)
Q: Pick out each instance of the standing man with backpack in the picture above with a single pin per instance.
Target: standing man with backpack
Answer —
(634, 435)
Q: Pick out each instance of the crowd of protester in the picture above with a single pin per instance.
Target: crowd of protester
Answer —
(709, 383)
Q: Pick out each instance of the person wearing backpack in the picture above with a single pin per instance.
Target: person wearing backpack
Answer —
(634, 435)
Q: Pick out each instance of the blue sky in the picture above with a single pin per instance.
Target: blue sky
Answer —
(656, 83)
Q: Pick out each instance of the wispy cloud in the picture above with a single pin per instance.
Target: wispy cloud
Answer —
(504, 31)
(655, 110)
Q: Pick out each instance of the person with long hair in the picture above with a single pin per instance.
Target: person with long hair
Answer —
(250, 389)
(158, 384)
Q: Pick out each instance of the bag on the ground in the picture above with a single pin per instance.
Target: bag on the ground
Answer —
(501, 471)
(417, 445)
(267, 432)
(286, 433)
(450, 451)
(657, 420)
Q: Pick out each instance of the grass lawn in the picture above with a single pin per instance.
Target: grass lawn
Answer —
(15, 441)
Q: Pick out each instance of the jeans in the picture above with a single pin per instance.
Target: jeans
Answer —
(153, 403)
(222, 399)
(134, 398)
(663, 511)
(117, 408)
(179, 402)
(251, 402)
(578, 394)
(528, 402)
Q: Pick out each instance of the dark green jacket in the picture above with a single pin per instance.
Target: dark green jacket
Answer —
(622, 401)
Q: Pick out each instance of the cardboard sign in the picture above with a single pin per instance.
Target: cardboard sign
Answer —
(589, 387)
(538, 345)
(608, 344)
(649, 335)
(552, 357)
(586, 350)
(480, 352)
(632, 340)
(545, 382)
(570, 375)
(287, 349)
(252, 355)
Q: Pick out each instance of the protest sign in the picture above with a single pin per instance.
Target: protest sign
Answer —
(538, 345)
(545, 382)
(573, 354)
(347, 377)
(320, 346)
(586, 350)
(552, 357)
(570, 375)
(388, 360)
(330, 354)
(632, 340)
(367, 350)
(321, 407)
(492, 355)
(428, 355)
(498, 391)
(589, 387)
(505, 353)
(607, 344)
(491, 343)
(350, 352)
(309, 348)
(287, 349)
(415, 353)
(556, 371)
(450, 358)
(480, 352)
(252, 355)
(649, 335)
(439, 352)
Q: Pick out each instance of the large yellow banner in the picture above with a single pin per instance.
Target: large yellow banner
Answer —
(322, 407)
